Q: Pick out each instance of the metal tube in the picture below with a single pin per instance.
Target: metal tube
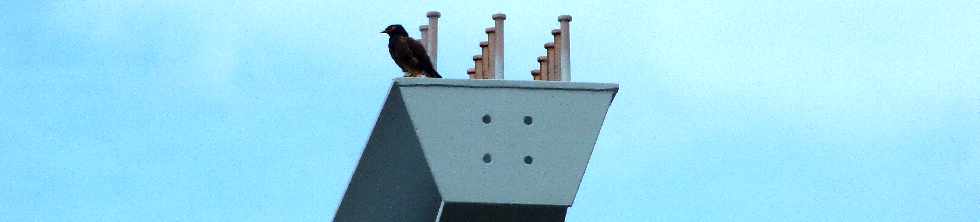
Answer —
(478, 63)
(490, 60)
(498, 53)
(433, 37)
(543, 67)
(471, 72)
(536, 74)
(566, 69)
(424, 29)
(552, 59)
(484, 50)
(555, 66)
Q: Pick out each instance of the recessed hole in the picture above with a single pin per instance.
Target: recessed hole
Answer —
(528, 120)
(487, 158)
(486, 119)
(528, 159)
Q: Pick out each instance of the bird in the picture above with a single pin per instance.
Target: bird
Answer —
(408, 53)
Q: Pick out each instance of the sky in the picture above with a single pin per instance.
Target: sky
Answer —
(258, 111)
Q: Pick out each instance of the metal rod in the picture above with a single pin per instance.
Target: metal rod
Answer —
(536, 74)
(478, 63)
(552, 59)
(498, 53)
(566, 69)
(424, 29)
(492, 39)
(433, 37)
(485, 51)
(554, 70)
(543, 67)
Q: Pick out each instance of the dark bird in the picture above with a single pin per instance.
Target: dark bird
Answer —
(408, 53)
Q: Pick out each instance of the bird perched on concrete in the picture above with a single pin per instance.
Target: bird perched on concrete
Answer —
(408, 53)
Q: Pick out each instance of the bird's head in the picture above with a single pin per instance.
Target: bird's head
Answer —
(395, 30)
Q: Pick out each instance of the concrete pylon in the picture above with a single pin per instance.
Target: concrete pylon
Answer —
(424, 39)
(517, 153)
(555, 63)
(490, 59)
(553, 60)
(479, 66)
(543, 67)
(498, 46)
(565, 50)
(433, 37)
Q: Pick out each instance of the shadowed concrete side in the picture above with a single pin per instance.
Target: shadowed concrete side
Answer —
(392, 181)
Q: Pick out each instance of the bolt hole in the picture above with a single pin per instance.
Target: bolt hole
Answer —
(486, 119)
(528, 120)
(528, 160)
(486, 158)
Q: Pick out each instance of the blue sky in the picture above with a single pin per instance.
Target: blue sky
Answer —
(729, 111)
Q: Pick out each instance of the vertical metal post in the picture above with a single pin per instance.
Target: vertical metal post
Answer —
(566, 69)
(433, 37)
(536, 74)
(491, 63)
(552, 59)
(478, 63)
(424, 29)
(485, 51)
(543, 67)
(555, 63)
(498, 53)
(471, 72)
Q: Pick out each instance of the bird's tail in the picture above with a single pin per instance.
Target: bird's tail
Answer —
(433, 74)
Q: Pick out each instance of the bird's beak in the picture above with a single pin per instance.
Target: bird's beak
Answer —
(385, 31)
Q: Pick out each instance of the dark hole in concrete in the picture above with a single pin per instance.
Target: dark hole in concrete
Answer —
(528, 120)
(528, 159)
(486, 158)
(486, 119)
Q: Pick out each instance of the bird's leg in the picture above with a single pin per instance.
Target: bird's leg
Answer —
(412, 73)
(406, 72)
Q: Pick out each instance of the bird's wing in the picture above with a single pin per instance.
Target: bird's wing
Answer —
(419, 53)
(399, 54)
